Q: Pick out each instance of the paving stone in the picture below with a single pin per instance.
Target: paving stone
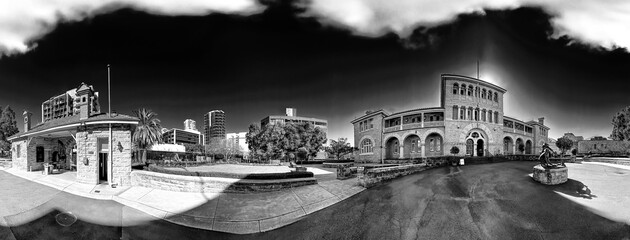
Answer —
(314, 207)
(190, 221)
(311, 194)
(243, 207)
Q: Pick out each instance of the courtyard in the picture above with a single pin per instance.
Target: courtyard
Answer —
(488, 201)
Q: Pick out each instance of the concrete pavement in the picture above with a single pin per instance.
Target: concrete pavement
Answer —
(223, 212)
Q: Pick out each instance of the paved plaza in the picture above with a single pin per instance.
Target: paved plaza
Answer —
(489, 201)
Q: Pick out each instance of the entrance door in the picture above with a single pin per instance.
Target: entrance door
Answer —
(102, 166)
(469, 147)
(480, 148)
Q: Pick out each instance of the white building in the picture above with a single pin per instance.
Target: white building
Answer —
(238, 139)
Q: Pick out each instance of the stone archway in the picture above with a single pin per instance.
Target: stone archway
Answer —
(411, 146)
(508, 145)
(392, 148)
(433, 145)
(473, 146)
(528, 147)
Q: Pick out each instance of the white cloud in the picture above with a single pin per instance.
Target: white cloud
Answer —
(599, 22)
(22, 21)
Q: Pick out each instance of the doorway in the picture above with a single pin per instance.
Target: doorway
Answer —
(102, 166)
(480, 148)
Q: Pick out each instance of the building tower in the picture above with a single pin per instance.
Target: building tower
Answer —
(190, 124)
(214, 125)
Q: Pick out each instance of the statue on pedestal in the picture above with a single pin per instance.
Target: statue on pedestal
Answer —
(545, 154)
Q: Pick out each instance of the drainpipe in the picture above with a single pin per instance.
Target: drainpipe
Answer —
(110, 165)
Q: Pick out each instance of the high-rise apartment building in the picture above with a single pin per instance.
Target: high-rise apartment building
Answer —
(214, 125)
(190, 124)
(72, 102)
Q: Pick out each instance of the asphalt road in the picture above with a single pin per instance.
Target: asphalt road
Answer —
(491, 201)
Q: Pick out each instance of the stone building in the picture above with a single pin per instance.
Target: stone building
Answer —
(79, 142)
(469, 118)
(602, 146)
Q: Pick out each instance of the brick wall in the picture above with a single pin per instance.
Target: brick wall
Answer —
(603, 146)
(373, 134)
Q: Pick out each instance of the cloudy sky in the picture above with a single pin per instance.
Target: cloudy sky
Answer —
(563, 60)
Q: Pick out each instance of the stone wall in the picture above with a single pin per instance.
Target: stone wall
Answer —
(603, 146)
(21, 162)
(179, 183)
(87, 147)
(371, 177)
(373, 134)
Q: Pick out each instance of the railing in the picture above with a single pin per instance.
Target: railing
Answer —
(434, 124)
(392, 129)
(508, 129)
(412, 126)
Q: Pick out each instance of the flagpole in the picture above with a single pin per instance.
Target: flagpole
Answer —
(109, 105)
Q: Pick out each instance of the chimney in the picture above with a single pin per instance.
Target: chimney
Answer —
(27, 120)
(541, 120)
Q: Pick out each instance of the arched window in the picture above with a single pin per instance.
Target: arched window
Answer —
(455, 111)
(366, 146)
(476, 114)
(477, 92)
(483, 93)
(462, 114)
(489, 95)
(470, 90)
(462, 90)
(496, 117)
(496, 97)
(455, 88)
(469, 114)
(432, 145)
(414, 145)
(483, 115)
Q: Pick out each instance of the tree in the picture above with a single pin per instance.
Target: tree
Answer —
(521, 147)
(148, 131)
(8, 127)
(564, 144)
(340, 147)
(454, 150)
(277, 141)
(621, 125)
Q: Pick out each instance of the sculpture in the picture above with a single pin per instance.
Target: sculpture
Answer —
(545, 154)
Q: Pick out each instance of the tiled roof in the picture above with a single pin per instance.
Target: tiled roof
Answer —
(75, 119)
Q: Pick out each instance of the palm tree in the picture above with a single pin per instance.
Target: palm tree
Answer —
(148, 131)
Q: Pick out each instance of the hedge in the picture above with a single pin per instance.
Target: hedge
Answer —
(259, 176)
(339, 161)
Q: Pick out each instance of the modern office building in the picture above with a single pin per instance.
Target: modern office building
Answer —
(188, 135)
(291, 117)
(469, 118)
(238, 139)
(214, 125)
(67, 103)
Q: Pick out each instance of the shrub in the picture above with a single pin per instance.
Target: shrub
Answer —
(574, 151)
(454, 150)
(259, 176)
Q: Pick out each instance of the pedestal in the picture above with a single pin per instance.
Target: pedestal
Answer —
(551, 176)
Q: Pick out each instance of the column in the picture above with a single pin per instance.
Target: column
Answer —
(514, 148)
(422, 149)
(422, 125)
(474, 149)
(401, 123)
(402, 151)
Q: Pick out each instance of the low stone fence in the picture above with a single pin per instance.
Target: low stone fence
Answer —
(6, 164)
(625, 162)
(371, 177)
(338, 165)
(179, 183)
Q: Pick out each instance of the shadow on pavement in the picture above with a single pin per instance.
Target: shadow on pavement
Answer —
(574, 188)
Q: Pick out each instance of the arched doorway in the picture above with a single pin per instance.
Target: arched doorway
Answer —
(475, 143)
(520, 146)
(528, 147)
(411, 146)
(469, 147)
(392, 150)
(433, 145)
(480, 147)
(508, 146)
